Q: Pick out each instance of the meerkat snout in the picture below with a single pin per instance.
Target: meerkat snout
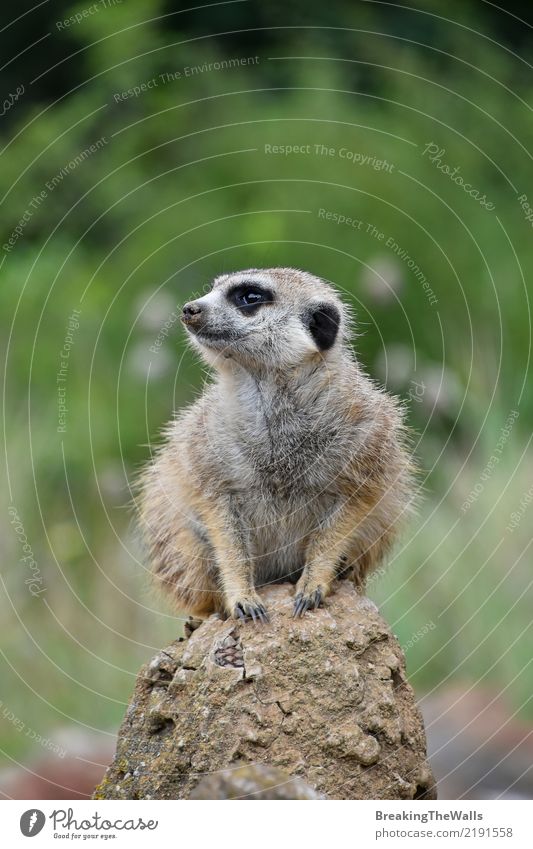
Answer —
(190, 312)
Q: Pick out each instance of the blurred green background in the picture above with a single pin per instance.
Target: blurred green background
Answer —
(182, 183)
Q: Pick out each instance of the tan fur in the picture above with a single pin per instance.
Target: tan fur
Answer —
(290, 466)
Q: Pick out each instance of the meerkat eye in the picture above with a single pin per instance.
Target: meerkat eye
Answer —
(249, 298)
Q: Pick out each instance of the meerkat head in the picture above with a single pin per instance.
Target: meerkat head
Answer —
(267, 318)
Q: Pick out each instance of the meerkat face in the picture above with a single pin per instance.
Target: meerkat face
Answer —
(266, 318)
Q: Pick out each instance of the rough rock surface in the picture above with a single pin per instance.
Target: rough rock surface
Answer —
(253, 781)
(323, 698)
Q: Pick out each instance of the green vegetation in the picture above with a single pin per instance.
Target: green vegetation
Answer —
(128, 203)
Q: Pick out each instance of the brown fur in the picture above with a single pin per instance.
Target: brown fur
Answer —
(291, 466)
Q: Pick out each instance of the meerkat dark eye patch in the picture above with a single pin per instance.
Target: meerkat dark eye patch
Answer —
(323, 323)
(248, 297)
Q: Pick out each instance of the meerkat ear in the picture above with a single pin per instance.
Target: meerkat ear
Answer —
(323, 323)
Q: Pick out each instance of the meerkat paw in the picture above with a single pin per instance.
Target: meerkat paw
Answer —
(250, 608)
(305, 600)
(191, 625)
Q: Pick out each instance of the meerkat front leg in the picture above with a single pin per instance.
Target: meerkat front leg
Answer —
(235, 569)
(325, 549)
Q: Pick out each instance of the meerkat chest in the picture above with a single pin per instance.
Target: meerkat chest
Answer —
(285, 450)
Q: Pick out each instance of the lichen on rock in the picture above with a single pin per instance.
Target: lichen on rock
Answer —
(323, 699)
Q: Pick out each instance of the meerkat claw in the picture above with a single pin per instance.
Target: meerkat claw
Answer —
(239, 612)
(262, 613)
(306, 602)
(246, 610)
(191, 624)
(298, 605)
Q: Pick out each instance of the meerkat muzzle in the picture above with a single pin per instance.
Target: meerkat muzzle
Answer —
(192, 314)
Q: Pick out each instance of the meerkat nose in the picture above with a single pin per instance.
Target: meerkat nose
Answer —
(190, 312)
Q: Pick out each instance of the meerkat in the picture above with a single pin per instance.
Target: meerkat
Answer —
(291, 466)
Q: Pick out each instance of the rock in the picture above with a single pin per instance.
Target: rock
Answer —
(323, 699)
(253, 781)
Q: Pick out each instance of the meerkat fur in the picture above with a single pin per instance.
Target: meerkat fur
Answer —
(291, 466)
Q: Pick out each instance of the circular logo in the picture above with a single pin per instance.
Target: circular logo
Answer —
(31, 822)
